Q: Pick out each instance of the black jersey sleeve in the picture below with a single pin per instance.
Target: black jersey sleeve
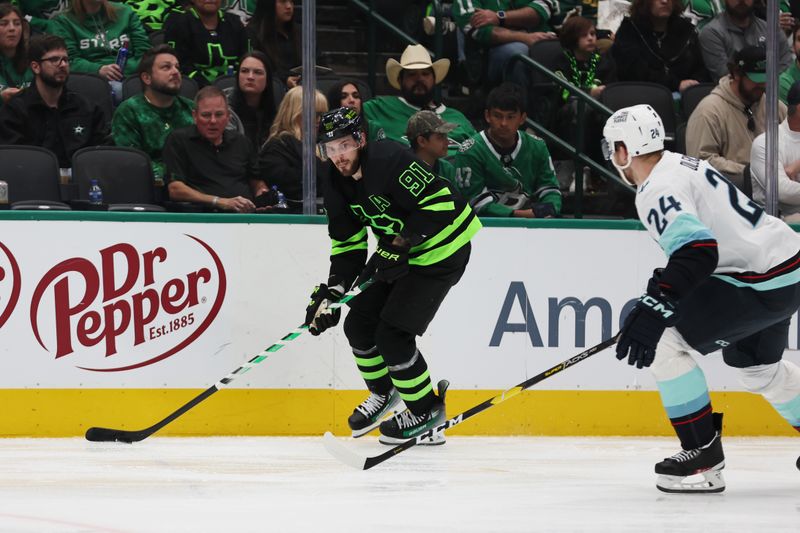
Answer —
(348, 238)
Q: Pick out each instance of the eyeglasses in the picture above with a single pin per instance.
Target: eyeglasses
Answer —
(55, 60)
(751, 121)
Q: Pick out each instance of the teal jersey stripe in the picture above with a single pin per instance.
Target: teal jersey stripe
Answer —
(684, 229)
(684, 394)
(785, 280)
(790, 410)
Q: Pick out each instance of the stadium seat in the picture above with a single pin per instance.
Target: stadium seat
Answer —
(93, 88)
(32, 175)
(680, 138)
(227, 81)
(157, 38)
(692, 96)
(124, 174)
(133, 86)
(627, 93)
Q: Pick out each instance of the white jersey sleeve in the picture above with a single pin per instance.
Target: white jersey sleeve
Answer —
(686, 201)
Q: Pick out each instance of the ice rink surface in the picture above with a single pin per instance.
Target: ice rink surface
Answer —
(475, 484)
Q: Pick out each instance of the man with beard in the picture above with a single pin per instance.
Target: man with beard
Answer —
(46, 113)
(732, 30)
(144, 121)
(723, 126)
(424, 230)
(414, 76)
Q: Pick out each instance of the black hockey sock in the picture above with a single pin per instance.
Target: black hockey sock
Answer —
(413, 382)
(373, 369)
(696, 429)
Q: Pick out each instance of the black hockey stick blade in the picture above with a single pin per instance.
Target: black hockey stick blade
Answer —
(349, 457)
(96, 434)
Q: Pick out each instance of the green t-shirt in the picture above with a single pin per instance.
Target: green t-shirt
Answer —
(387, 117)
(95, 42)
(139, 124)
(464, 9)
(786, 79)
(493, 183)
(9, 77)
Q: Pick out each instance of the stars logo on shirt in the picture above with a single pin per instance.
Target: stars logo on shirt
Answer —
(78, 130)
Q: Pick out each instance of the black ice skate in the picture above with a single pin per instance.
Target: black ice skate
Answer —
(369, 414)
(406, 425)
(708, 460)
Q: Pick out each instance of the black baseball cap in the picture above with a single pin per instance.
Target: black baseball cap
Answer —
(752, 60)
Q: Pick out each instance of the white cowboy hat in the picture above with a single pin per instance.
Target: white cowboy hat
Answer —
(415, 57)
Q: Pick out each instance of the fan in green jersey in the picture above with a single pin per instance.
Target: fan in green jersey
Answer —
(505, 172)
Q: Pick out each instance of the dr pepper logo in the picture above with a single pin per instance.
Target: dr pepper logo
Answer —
(10, 283)
(128, 307)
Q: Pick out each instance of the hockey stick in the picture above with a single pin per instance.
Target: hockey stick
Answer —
(351, 458)
(98, 434)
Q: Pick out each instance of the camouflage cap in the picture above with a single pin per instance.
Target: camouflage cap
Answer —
(423, 122)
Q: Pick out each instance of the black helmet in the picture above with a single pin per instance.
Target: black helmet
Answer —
(338, 123)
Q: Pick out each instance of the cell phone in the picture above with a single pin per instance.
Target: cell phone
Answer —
(603, 34)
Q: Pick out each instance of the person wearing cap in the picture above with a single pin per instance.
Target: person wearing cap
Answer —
(427, 134)
(506, 28)
(505, 172)
(722, 127)
(415, 76)
(734, 29)
(423, 228)
(788, 161)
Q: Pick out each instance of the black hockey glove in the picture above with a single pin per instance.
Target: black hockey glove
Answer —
(389, 263)
(543, 210)
(643, 327)
(319, 315)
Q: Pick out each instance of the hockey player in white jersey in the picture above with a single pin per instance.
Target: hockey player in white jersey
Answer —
(731, 282)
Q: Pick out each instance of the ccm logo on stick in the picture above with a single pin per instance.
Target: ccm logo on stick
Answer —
(139, 306)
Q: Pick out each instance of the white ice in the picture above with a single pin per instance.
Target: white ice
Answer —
(470, 484)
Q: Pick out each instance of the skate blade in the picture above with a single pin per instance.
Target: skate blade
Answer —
(712, 482)
(436, 440)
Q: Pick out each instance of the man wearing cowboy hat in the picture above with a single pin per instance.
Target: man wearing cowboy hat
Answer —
(414, 76)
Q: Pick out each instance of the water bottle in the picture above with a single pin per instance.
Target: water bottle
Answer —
(281, 199)
(3, 192)
(95, 193)
(122, 56)
(230, 69)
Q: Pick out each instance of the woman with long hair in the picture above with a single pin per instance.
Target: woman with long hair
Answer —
(272, 30)
(15, 72)
(281, 157)
(95, 31)
(345, 94)
(252, 98)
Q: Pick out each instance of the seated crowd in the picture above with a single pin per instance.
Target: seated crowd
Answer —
(218, 109)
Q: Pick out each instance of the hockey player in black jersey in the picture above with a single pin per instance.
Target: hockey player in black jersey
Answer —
(423, 230)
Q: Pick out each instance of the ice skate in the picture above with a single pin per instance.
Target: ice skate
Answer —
(407, 425)
(707, 461)
(372, 411)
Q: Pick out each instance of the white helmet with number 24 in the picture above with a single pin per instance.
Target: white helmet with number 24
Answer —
(641, 130)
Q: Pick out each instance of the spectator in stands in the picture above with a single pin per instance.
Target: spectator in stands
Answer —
(656, 44)
(210, 165)
(94, 31)
(415, 76)
(15, 72)
(701, 12)
(46, 113)
(722, 127)
(209, 42)
(145, 120)
(272, 30)
(788, 161)
(581, 64)
(252, 98)
(791, 74)
(506, 28)
(39, 13)
(503, 171)
(345, 94)
(732, 30)
(427, 134)
(281, 158)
